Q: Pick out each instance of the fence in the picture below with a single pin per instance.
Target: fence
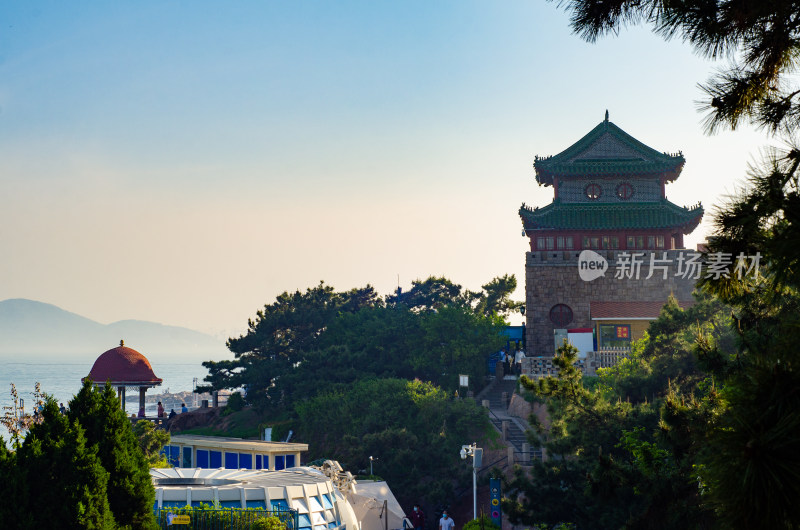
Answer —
(538, 367)
(221, 518)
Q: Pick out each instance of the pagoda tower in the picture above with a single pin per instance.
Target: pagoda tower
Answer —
(609, 197)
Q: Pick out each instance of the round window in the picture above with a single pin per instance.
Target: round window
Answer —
(593, 191)
(560, 315)
(625, 191)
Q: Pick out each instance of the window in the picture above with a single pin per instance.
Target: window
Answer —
(564, 242)
(625, 191)
(202, 458)
(245, 461)
(280, 505)
(280, 462)
(593, 191)
(591, 242)
(611, 242)
(651, 242)
(258, 462)
(615, 336)
(215, 459)
(635, 242)
(540, 243)
(659, 241)
(289, 460)
(560, 315)
(173, 454)
(187, 457)
(326, 501)
(231, 460)
(550, 243)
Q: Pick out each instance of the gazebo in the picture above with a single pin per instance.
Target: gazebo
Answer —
(123, 367)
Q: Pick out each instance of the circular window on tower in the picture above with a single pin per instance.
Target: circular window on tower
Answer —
(593, 191)
(560, 315)
(625, 191)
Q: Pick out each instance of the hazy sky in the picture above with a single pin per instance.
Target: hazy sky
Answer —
(185, 162)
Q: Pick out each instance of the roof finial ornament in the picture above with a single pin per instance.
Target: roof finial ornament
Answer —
(606, 115)
(122, 343)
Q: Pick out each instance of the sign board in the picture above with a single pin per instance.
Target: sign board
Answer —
(463, 380)
(495, 493)
(177, 519)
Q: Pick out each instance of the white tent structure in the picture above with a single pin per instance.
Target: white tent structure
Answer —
(375, 506)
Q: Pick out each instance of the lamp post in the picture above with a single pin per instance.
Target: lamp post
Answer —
(477, 456)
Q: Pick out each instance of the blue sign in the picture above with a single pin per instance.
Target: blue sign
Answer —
(495, 494)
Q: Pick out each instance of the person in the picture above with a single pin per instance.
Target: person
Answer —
(417, 518)
(62, 408)
(518, 361)
(160, 410)
(172, 413)
(141, 412)
(446, 523)
(183, 408)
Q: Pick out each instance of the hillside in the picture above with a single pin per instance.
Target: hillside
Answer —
(39, 331)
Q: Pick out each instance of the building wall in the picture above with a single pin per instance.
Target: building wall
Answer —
(552, 278)
(643, 190)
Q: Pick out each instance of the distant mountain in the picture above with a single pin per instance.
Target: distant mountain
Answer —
(31, 330)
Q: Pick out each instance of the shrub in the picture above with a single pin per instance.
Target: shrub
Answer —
(484, 522)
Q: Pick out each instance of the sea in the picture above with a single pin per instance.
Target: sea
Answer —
(63, 380)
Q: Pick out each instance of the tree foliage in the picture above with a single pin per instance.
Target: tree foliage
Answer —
(131, 495)
(151, 441)
(414, 428)
(623, 451)
(762, 39)
(324, 339)
(60, 479)
(738, 426)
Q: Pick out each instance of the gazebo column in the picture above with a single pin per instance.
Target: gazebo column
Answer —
(121, 396)
(142, 390)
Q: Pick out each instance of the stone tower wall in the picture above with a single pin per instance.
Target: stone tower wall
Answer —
(552, 277)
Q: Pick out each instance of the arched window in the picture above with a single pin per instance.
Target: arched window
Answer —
(560, 315)
(593, 191)
(625, 191)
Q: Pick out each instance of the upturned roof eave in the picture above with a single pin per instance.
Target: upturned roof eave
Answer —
(685, 219)
(546, 167)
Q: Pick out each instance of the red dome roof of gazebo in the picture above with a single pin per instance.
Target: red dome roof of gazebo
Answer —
(123, 365)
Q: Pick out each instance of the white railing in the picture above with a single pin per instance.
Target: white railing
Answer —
(538, 367)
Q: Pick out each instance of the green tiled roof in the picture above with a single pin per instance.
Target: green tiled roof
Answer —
(622, 155)
(638, 215)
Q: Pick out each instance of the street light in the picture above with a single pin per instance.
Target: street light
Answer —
(370, 465)
(477, 456)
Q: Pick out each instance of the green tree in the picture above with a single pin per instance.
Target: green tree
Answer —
(131, 495)
(624, 449)
(748, 471)
(9, 484)
(414, 428)
(61, 480)
(151, 441)
(279, 338)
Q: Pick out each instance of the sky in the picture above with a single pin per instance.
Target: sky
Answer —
(186, 162)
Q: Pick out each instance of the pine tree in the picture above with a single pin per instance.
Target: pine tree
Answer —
(8, 484)
(131, 495)
(751, 468)
(61, 483)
